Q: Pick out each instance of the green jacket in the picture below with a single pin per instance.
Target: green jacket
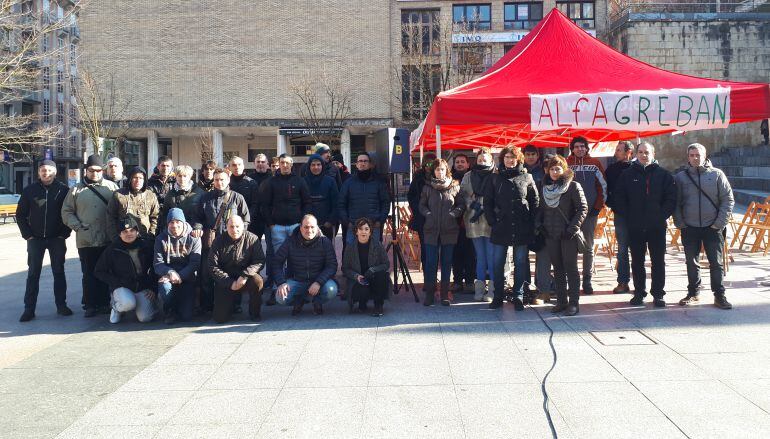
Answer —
(86, 214)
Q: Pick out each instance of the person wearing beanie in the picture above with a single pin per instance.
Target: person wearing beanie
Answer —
(38, 216)
(137, 202)
(85, 211)
(177, 256)
(126, 267)
(339, 162)
(589, 172)
(114, 172)
(365, 195)
(323, 195)
(329, 168)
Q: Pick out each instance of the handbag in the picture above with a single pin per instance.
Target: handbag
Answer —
(582, 245)
(209, 235)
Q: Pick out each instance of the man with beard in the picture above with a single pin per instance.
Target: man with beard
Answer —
(85, 211)
(161, 183)
(464, 256)
(137, 203)
(38, 216)
(114, 172)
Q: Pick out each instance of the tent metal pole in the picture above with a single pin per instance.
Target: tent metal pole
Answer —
(438, 141)
(422, 151)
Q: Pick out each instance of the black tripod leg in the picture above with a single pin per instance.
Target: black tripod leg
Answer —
(405, 273)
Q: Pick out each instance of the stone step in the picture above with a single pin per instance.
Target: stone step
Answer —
(745, 151)
(752, 183)
(722, 161)
(745, 196)
(746, 171)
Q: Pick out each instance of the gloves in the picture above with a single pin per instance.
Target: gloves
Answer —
(477, 211)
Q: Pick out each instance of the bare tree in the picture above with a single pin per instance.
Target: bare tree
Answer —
(323, 103)
(103, 112)
(204, 144)
(22, 30)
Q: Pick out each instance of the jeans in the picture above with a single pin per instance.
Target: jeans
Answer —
(125, 300)
(621, 233)
(57, 251)
(267, 269)
(298, 291)
(543, 278)
(178, 299)
(653, 240)
(484, 258)
(463, 259)
(279, 234)
(95, 292)
(713, 242)
(350, 238)
(588, 228)
(432, 255)
(224, 297)
(563, 254)
(520, 262)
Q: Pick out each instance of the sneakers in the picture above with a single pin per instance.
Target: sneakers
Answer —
(496, 304)
(721, 302)
(27, 315)
(638, 299)
(690, 299)
(622, 288)
(479, 288)
(377, 311)
(658, 302)
(114, 316)
(63, 310)
(445, 302)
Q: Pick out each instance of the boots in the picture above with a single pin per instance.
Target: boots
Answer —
(478, 290)
(430, 293)
(721, 302)
(445, 294)
(622, 288)
(572, 309)
(588, 289)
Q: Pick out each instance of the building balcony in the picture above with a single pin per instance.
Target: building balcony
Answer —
(31, 97)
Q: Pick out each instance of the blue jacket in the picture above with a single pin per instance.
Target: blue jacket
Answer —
(364, 198)
(323, 193)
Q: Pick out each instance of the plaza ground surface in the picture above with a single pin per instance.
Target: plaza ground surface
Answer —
(462, 371)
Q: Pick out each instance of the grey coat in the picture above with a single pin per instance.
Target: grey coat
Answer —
(351, 265)
(441, 206)
(693, 208)
(481, 227)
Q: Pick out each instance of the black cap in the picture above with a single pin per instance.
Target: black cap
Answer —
(94, 160)
(128, 223)
(47, 163)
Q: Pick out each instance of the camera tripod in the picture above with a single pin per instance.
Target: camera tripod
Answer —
(399, 264)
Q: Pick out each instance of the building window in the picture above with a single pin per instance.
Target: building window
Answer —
(46, 110)
(60, 42)
(419, 85)
(45, 43)
(420, 32)
(469, 60)
(523, 15)
(46, 78)
(73, 54)
(59, 147)
(60, 113)
(59, 81)
(582, 13)
(472, 17)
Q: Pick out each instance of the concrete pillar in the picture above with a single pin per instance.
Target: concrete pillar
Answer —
(216, 141)
(152, 150)
(345, 146)
(283, 145)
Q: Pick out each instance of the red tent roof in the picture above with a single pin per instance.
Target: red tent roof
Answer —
(557, 57)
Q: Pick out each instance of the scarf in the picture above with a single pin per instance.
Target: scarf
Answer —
(511, 173)
(89, 181)
(364, 175)
(185, 188)
(552, 192)
(441, 185)
(479, 175)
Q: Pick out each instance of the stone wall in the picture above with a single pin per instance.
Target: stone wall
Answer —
(735, 49)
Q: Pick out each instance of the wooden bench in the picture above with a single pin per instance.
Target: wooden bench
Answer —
(8, 211)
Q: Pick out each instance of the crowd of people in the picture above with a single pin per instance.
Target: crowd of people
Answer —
(168, 245)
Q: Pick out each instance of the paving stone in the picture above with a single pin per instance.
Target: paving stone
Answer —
(226, 407)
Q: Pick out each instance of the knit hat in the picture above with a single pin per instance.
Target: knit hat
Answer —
(46, 163)
(337, 157)
(314, 157)
(94, 160)
(175, 214)
(128, 223)
(321, 148)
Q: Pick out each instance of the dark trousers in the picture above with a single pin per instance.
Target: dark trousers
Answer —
(329, 232)
(713, 242)
(566, 277)
(653, 240)
(95, 292)
(57, 251)
(224, 298)
(377, 290)
(178, 299)
(206, 284)
(464, 259)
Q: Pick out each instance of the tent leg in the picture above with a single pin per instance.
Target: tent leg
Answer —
(438, 141)
(422, 152)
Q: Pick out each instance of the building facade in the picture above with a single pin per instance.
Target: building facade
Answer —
(52, 98)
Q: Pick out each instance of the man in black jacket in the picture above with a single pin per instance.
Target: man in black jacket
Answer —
(646, 197)
(623, 154)
(239, 181)
(235, 261)
(163, 182)
(310, 258)
(38, 215)
(259, 176)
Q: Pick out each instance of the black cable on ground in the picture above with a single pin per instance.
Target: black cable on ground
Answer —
(545, 378)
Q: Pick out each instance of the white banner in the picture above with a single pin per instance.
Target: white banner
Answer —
(638, 110)
(496, 37)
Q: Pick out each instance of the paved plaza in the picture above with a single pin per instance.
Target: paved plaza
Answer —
(462, 371)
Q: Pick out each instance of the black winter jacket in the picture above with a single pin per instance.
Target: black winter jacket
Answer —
(645, 197)
(159, 188)
(285, 200)
(38, 213)
(413, 197)
(186, 200)
(230, 259)
(361, 198)
(211, 203)
(306, 261)
(117, 269)
(613, 176)
(257, 225)
(244, 185)
(564, 220)
(510, 206)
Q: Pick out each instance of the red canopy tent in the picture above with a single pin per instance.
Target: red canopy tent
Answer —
(559, 82)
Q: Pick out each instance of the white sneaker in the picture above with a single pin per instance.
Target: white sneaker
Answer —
(487, 298)
(114, 316)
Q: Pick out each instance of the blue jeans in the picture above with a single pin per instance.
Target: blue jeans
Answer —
(179, 299)
(327, 292)
(431, 262)
(268, 269)
(621, 233)
(279, 234)
(350, 237)
(520, 264)
(484, 258)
